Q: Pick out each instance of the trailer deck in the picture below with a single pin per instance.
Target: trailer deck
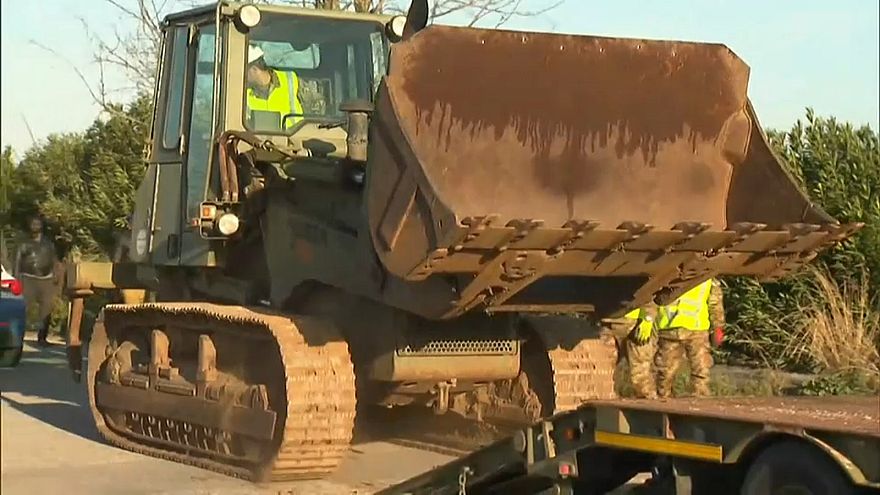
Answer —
(841, 414)
(711, 443)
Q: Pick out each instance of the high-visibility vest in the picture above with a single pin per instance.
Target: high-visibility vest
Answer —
(689, 312)
(281, 99)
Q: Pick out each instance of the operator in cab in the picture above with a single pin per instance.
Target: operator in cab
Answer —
(271, 94)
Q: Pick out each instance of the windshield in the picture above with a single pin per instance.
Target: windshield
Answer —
(303, 68)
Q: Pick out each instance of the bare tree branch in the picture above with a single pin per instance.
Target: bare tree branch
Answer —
(30, 131)
(474, 11)
(134, 52)
(363, 5)
(99, 94)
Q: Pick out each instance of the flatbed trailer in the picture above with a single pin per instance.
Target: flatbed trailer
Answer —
(760, 446)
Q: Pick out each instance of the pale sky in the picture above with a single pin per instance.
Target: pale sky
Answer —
(817, 53)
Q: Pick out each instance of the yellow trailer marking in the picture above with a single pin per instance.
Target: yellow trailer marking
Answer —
(679, 448)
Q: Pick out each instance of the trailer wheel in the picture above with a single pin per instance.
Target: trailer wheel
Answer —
(794, 468)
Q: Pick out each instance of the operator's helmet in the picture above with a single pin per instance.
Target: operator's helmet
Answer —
(254, 53)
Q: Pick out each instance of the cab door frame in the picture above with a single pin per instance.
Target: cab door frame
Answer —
(200, 153)
(169, 145)
(161, 162)
(165, 226)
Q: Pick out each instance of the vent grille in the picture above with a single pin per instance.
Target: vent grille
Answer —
(459, 348)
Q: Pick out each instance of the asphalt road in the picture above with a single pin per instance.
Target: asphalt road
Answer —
(48, 445)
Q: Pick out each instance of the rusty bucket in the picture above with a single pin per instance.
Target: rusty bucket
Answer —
(523, 163)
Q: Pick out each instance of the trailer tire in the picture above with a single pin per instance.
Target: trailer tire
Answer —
(794, 467)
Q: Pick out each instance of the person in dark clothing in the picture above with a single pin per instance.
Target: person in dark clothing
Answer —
(35, 266)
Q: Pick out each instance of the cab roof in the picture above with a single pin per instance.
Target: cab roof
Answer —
(232, 6)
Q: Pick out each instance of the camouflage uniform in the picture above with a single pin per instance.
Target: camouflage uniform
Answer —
(639, 355)
(677, 343)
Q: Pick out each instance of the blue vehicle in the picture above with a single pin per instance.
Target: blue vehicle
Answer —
(12, 320)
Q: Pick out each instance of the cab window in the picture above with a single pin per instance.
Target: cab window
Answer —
(329, 61)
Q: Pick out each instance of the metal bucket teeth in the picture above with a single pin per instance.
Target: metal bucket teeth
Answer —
(506, 259)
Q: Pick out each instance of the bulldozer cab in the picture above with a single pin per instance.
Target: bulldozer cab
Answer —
(310, 63)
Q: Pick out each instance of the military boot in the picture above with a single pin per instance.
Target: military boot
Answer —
(43, 332)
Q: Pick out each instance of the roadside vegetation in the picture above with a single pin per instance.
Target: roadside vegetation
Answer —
(824, 319)
(840, 334)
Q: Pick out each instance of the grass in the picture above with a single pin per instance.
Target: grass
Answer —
(840, 330)
(759, 383)
(844, 383)
(723, 382)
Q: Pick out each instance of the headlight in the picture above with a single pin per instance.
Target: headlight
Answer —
(227, 224)
(249, 15)
(395, 27)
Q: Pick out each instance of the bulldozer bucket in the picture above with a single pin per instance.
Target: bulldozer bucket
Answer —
(558, 173)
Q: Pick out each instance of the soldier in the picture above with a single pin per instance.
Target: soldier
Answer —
(684, 330)
(637, 330)
(36, 267)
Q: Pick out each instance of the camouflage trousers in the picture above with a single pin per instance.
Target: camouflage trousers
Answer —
(673, 346)
(639, 357)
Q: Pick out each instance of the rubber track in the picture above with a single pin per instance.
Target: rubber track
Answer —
(319, 382)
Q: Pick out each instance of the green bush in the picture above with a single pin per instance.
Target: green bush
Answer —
(838, 166)
(844, 383)
(83, 184)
